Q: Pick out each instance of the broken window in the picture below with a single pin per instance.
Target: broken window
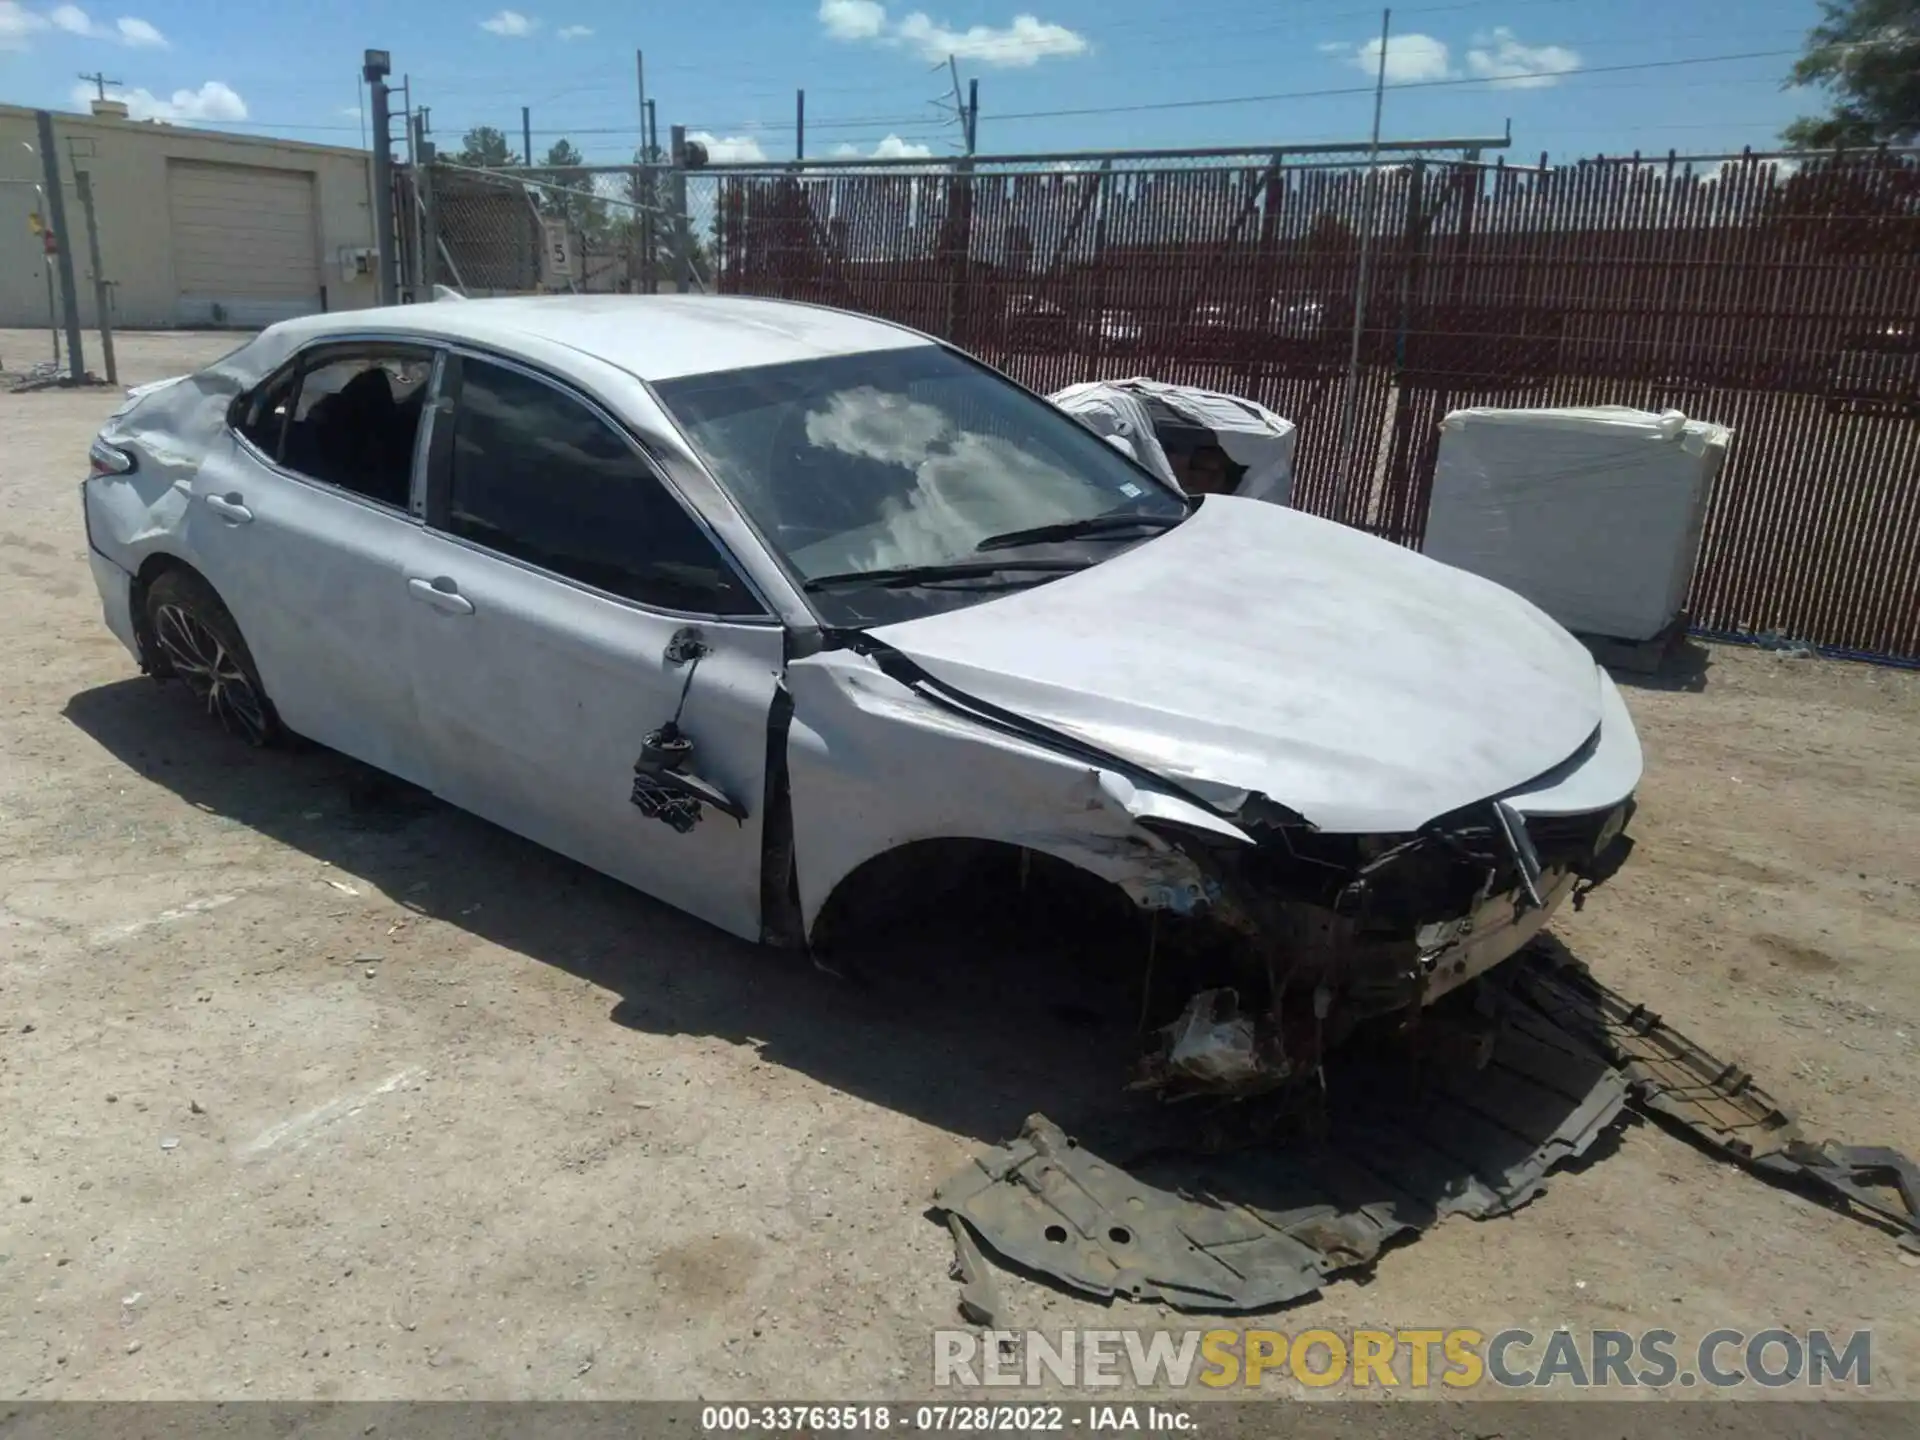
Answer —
(354, 419)
(539, 476)
(263, 416)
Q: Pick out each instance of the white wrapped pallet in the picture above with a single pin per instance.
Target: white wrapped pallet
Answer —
(1592, 514)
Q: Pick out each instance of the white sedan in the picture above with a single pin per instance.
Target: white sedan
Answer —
(773, 611)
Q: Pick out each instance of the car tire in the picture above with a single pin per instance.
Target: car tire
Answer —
(197, 642)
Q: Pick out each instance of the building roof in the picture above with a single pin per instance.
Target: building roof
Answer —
(66, 121)
(656, 337)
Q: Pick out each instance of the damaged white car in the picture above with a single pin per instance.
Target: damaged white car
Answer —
(774, 612)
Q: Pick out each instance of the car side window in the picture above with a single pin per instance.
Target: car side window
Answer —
(537, 475)
(262, 416)
(354, 420)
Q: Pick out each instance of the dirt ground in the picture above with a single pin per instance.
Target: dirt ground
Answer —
(308, 1095)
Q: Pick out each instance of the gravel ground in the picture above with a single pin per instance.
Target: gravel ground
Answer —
(307, 1093)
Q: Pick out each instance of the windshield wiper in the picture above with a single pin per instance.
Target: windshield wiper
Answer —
(1076, 529)
(903, 575)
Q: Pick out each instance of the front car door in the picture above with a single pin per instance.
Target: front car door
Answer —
(596, 673)
(304, 520)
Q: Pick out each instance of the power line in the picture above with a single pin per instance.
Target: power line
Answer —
(1496, 81)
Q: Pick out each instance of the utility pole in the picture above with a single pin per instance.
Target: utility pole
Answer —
(640, 78)
(799, 124)
(63, 248)
(526, 135)
(83, 182)
(378, 65)
(1351, 391)
(99, 81)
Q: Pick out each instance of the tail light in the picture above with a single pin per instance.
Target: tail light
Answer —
(105, 459)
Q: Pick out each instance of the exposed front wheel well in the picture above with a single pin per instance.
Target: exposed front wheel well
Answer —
(932, 882)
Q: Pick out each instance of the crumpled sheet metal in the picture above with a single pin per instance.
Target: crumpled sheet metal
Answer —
(1395, 1162)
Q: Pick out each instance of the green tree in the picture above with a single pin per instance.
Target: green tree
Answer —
(568, 190)
(1866, 55)
(484, 148)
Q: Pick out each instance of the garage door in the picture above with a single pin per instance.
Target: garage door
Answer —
(244, 246)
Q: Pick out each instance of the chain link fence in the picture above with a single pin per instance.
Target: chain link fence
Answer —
(599, 231)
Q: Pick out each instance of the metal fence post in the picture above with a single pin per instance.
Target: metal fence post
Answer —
(57, 218)
(682, 228)
(429, 219)
(84, 183)
(375, 71)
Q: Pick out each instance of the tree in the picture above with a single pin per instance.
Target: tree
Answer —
(1866, 55)
(568, 190)
(485, 148)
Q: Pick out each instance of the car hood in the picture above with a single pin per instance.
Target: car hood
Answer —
(1254, 648)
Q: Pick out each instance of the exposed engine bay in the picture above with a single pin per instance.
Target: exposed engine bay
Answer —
(1333, 930)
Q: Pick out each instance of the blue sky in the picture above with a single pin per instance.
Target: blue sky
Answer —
(874, 71)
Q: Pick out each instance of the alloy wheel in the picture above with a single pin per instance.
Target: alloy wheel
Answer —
(212, 672)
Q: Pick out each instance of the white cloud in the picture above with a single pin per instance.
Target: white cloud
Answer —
(894, 148)
(891, 148)
(350, 112)
(214, 100)
(574, 32)
(853, 19)
(1335, 47)
(1409, 58)
(1501, 57)
(729, 147)
(127, 30)
(1025, 41)
(510, 23)
(17, 23)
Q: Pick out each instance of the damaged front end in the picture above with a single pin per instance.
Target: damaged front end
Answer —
(1318, 932)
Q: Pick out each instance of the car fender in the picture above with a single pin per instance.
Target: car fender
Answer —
(874, 765)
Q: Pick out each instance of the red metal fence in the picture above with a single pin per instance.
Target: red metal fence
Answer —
(1780, 299)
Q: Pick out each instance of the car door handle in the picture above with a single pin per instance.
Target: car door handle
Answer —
(441, 593)
(228, 507)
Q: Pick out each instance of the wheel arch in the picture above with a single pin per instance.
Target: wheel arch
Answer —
(923, 874)
(160, 562)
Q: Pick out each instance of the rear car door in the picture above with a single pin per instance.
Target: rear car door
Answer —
(304, 520)
(577, 607)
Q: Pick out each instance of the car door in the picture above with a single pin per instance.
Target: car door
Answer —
(303, 519)
(596, 675)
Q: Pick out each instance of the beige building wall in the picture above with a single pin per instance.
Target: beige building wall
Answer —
(196, 228)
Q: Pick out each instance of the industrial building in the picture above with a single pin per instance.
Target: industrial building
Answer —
(196, 228)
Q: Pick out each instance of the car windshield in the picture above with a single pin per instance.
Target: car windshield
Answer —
(907, 460)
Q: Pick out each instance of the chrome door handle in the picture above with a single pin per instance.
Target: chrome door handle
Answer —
(228, 507)
(441, 593)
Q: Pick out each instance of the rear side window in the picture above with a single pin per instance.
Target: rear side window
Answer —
(354, 421)
(346, 418)
(537, 475)
(263, 417)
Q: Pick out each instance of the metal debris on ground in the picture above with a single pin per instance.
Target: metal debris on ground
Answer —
(1717, 1102)
(1452, 1121)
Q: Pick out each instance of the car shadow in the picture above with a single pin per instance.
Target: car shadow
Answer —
(969, 1028)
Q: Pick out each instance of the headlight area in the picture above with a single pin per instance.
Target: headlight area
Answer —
(1313, 935)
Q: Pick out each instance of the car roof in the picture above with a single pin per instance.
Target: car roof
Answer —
(656, 337)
